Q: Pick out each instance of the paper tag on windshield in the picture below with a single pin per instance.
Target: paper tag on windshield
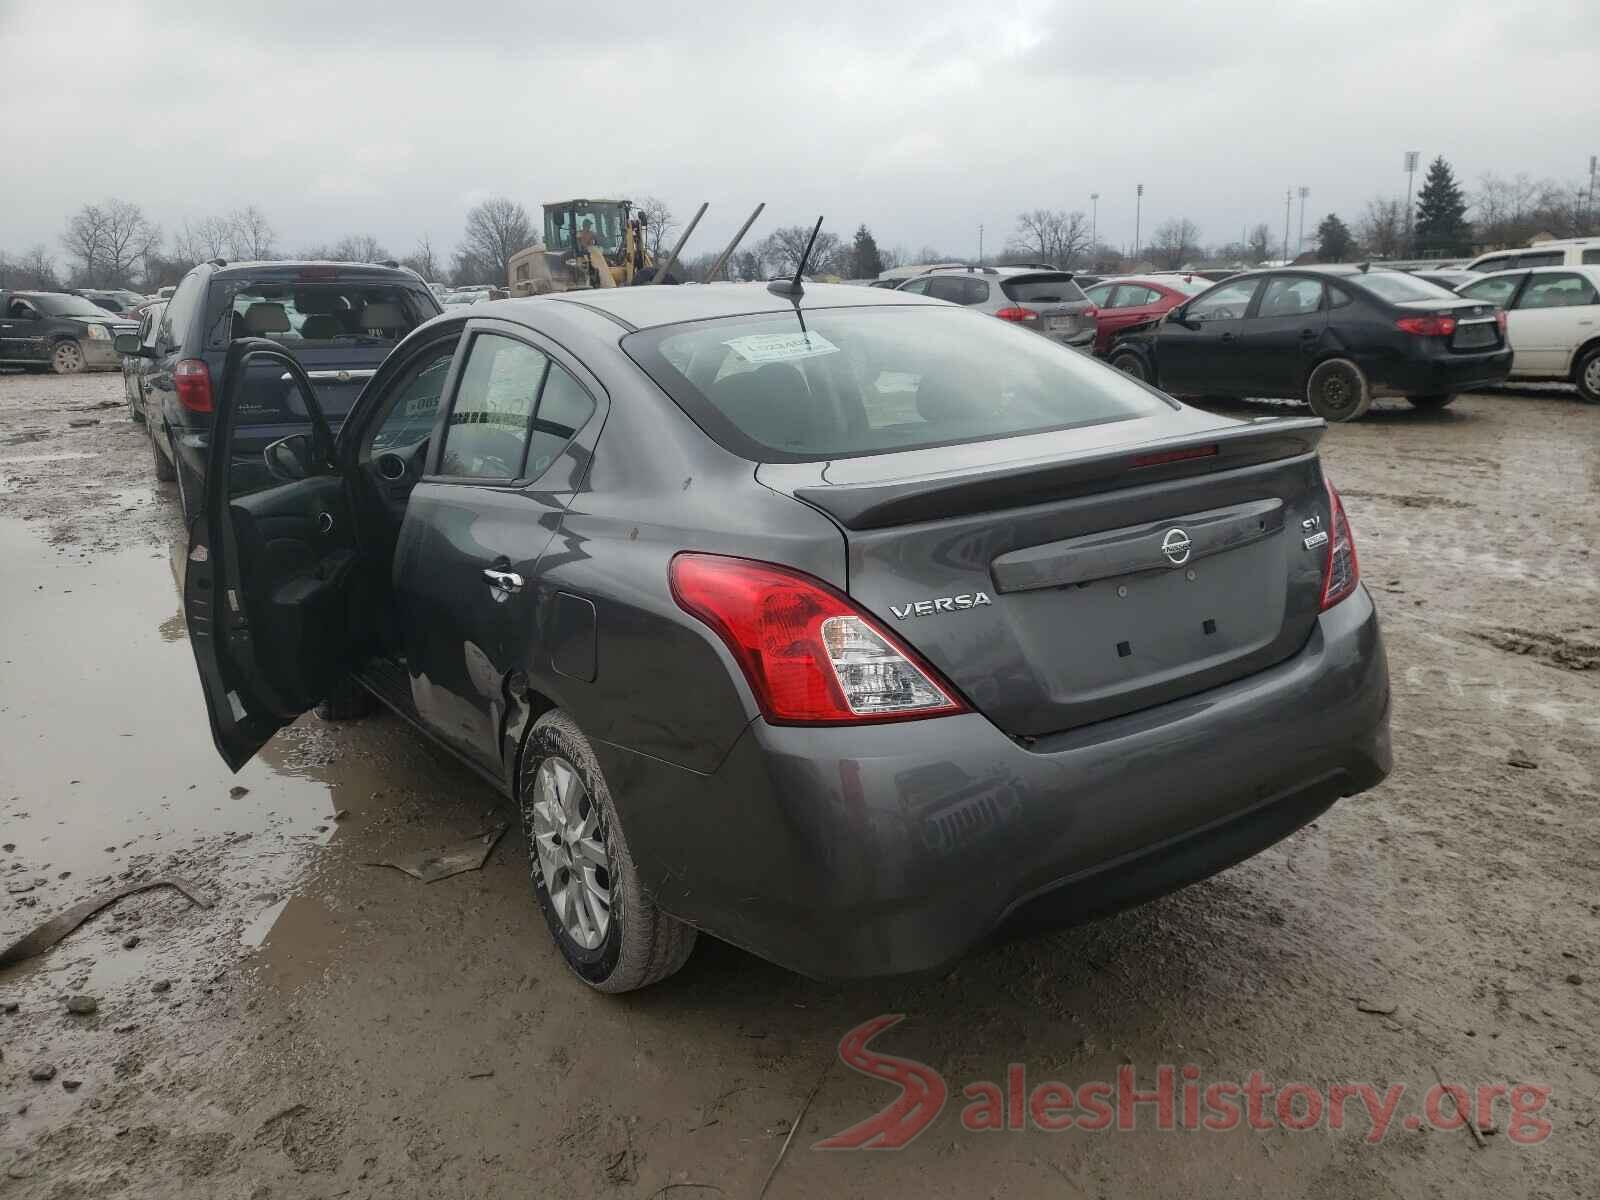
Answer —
(761, 348)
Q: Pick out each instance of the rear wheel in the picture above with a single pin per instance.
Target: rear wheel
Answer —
(1587, 376)
(608, 929)
(67, 358)
(163, 464)
(1431, 402)
(1130, 363)
(1338, 391)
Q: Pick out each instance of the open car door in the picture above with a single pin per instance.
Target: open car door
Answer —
(271, 570)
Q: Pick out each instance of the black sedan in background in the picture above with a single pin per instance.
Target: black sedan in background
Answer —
(1337, 337)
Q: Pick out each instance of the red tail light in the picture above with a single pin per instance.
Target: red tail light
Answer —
(191, 379)
(1500, 320)
(1092, 313)
(1017, 313)
(810, 655)
(1341, 572)
(1428, 326)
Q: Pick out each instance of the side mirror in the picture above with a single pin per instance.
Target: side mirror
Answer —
(290, 458)
(128, 343)
(1175, 315)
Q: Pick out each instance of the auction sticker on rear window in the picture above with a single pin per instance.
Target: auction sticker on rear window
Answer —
(761, 348)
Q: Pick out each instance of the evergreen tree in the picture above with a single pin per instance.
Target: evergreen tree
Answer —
(866, 262)
(1441, 221)
(1335, 242)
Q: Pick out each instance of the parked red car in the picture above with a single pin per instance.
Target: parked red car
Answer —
(1132, 299)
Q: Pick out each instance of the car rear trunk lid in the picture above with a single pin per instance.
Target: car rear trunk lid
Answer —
(1088, 581)
(1064, 311)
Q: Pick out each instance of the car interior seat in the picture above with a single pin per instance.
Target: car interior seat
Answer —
(773, 405)
(264, 317)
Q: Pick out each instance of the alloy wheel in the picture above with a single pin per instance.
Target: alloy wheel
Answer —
(570, 840)
(68, 358)
(1591, 375)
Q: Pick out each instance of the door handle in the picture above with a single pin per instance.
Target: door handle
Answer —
(1308, 334)
(503, 581)
(1228, 337)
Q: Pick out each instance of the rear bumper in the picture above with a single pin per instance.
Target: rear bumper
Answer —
(1441, 372)
(898, 848)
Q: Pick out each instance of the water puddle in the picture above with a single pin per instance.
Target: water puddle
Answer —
(107, 770)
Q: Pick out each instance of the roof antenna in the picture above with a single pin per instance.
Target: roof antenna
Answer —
(793, 287)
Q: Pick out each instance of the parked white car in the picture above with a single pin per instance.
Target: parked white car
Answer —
(1552, 322)
(1559, 252)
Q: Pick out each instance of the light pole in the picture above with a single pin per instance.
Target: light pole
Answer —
(1288, 203)
(1411, 174)
(980, 245)
(1094, 213)
(1593, 161)
(1138, 213)
(1301, 244)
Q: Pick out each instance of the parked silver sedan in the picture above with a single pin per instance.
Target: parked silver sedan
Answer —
(1045, 301)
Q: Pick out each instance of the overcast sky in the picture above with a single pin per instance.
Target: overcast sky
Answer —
(923, 119)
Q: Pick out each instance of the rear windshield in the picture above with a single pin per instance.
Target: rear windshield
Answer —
(1395, 285)
(853, 381)
(304, 316)
(1042, 289)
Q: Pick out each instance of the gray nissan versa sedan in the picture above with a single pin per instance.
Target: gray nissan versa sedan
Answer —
(844, 626)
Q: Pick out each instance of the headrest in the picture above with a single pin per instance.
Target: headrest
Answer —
(320, 300)
(263, 317)
(382, 314)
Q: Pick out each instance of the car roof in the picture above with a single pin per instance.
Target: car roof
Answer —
(1009, 272)
(1592, 269)
(290, 269)
(648, 306)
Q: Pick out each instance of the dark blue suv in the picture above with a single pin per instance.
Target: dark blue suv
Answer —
(339, 320)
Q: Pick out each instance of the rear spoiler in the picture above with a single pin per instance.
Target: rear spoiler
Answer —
(1013, 485)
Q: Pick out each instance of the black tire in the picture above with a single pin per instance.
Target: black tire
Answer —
(348, 701)
(1586, 374)
(66, 357)
(639, 944)
(1130, 363)
(1338, 391)
(164, 470)
(1430, 403)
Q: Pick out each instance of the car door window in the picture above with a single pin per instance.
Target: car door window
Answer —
(1591, 257)
(413, 406)
(486, 436)
(1502, 262)
(1226, 302)
(950, 287)
(178, 317)
(1338, 297)
(1557, 291)
(1288, 296)
(1100, 295)
(1496, 290)
(1136, 296)
(21, 310)
(917, 287)
(1549, 258)
(564, 408)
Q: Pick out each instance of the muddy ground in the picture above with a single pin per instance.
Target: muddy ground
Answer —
(331, 1028)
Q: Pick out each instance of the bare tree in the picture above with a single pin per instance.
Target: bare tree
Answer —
(422, 260)
(358, 247)
(1259, 244)
(108, 238)
(892, 258)
(745, 266)
(1051, 235)
(497, 229)
(1382, 228)
(659, 224)
(469, 268)
(781, 249)
(37, 268)
(250, 234)
(202, 240)
(1174, 241)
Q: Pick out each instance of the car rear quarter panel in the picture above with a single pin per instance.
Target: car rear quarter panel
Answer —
(664, 684)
